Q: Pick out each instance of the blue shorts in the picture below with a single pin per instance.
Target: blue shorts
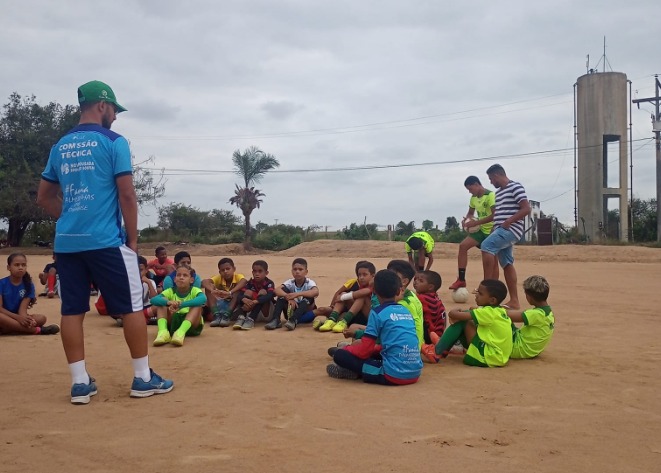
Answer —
(500, 243)
(115, 272)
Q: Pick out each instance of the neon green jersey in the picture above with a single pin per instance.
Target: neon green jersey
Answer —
(426, 238)
(413, 304)
(171, 295)
(482, 206)
(531, 339)
(494, 328)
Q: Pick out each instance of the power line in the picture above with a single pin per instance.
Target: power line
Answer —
(534, 154)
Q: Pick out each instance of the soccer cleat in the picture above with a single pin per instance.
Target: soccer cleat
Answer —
(217, 319)
(50, 294)
(457, 284)
(290, 324)
(327, 326)
(156, 385)
(248, 324)
(316, 323)
(332, 350)
(428, 353)
(81, 392)
(273, 324)
(239, 322)
(343, 344)
(457, 349)
(162, 338)
(51, 329)
(340, 326)
(337, 372)
(177, 339)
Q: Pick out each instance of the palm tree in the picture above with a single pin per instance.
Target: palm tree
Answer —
(251, 165)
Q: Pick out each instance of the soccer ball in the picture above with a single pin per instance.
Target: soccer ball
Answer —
(471, 229)
(460, 295)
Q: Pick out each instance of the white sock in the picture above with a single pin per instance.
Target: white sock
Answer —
(79, 373)
(141, 368)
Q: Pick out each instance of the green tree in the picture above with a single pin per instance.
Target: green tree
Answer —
(149, 185)
(427, 225)
(27, 133)
(644, 220)
(180, 219)
(251, 165)
(405, 229)
(451, 224)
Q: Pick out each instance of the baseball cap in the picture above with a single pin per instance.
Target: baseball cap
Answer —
(97, 91)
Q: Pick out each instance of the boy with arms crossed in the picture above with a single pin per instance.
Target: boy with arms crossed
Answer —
(295, 296)
(223, 292)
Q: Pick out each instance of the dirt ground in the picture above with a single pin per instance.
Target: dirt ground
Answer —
(261, 401)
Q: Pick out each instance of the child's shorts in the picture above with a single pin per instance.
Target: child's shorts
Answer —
(178, 318)
(475, 353)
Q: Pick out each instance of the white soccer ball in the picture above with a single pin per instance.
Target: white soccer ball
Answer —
(474, 229)
(460, 295)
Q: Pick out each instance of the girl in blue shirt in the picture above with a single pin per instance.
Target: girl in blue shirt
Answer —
(16, 297)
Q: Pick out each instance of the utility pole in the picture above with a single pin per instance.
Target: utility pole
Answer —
(656, 127)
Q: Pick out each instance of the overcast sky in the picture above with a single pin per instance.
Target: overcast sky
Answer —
(332, 85)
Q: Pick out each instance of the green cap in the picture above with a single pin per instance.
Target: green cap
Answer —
(97, 91)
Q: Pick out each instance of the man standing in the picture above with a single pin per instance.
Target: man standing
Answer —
(91, 166)
(481, 205)
(511, 207)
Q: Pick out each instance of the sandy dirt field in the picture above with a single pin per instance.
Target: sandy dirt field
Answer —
(261, 401)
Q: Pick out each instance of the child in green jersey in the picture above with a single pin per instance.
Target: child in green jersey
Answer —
(485, 331)
(538, 322)
(179, 309)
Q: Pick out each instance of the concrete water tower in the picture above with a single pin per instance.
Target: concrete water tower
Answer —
(602, 144)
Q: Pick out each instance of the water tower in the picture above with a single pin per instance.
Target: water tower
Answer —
(601, 137)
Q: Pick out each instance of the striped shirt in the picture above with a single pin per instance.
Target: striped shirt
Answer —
(508, 203)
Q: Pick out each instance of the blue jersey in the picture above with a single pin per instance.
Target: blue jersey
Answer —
(12, 295)
(85, 163)
(393, 324)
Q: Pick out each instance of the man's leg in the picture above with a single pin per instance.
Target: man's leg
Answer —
(511, 282)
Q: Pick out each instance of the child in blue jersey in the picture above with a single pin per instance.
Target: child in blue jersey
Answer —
(397, 360)
(16, 297)
(295, 297)
(485, 331)
(179, 309)
(181, 258)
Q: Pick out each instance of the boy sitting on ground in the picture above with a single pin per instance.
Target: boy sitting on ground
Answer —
(397, 360)
(182, 257)
(224, 290)
(351, 303)
(538, 322)
(485, 331)
(48, 277)
(295, 297)
(257, 297)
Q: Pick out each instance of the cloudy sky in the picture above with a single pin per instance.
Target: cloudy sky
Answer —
(444, 88)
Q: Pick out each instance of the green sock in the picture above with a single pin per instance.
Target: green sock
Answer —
(348, 317)
(451, 334)
(184, 327)
(162, 324)
(334, 315)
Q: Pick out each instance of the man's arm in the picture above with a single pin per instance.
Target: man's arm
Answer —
(524, 209)
(49, 199)
(128, 202)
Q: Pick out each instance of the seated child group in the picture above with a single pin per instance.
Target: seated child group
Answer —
(389, 329)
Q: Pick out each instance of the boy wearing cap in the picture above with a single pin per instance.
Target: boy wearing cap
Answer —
(91, 166)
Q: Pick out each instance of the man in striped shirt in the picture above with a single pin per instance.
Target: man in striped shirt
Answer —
(511, 208)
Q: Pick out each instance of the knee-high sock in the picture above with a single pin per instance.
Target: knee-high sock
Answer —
(451, 334)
